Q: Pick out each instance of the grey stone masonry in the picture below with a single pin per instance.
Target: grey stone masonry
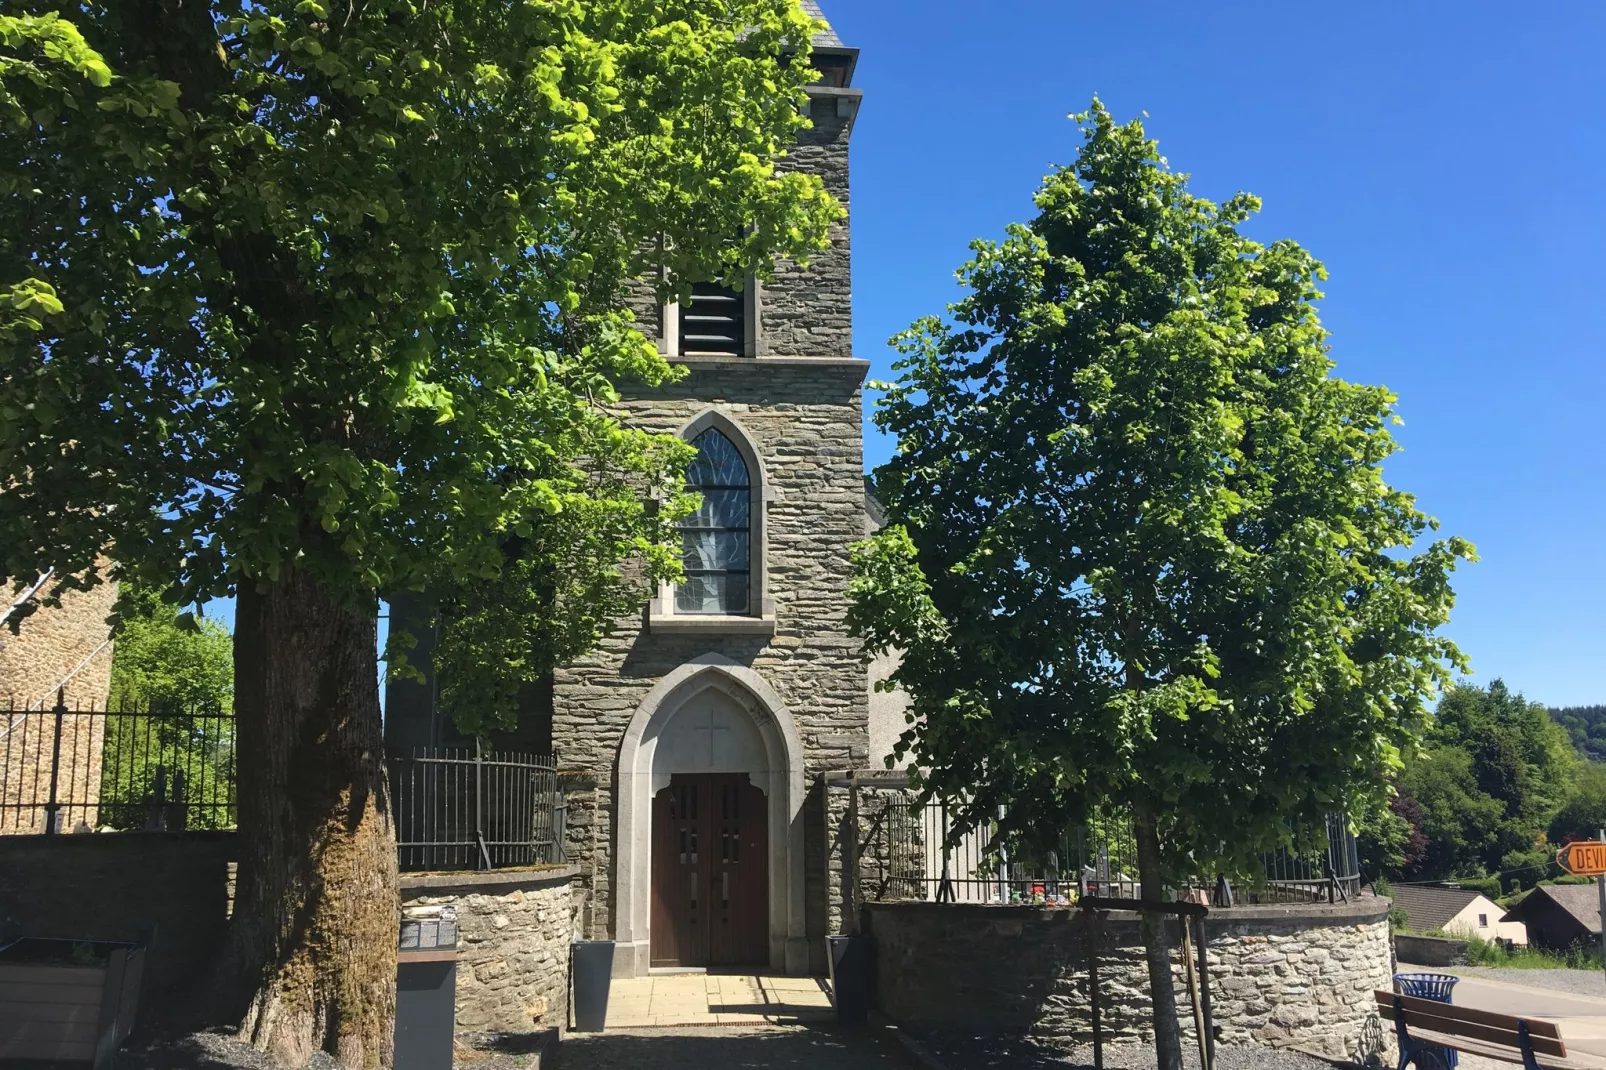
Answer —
(803, 311)
(1280, 976)
(803, 417)
(514, 928)
(808, 312)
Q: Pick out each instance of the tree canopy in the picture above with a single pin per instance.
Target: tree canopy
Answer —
(286, 283)
(309, 303)
(1494, 789)
(1140, 549)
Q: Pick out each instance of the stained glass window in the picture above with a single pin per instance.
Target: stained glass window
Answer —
(716, 539)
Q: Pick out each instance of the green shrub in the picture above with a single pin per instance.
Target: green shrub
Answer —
(1489, 886)
(1481, 952)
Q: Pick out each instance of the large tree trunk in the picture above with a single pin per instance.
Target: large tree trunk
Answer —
(1157, 949)
(313, 943)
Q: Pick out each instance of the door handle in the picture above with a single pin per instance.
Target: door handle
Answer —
(725, 887)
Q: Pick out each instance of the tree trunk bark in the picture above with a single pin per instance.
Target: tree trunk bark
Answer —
(1157, 950)
(312, 946)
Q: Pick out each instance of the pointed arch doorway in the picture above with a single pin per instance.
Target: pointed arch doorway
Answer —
(709, 869)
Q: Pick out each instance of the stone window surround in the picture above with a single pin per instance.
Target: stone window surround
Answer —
(662, 616)
(782, 784)
(753, 310)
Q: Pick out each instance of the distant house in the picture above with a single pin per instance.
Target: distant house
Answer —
(1558, 916)
(1456, 910)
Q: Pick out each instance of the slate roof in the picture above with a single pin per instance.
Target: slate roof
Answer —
(1429, 906)
(1582, 901)
(828, 39)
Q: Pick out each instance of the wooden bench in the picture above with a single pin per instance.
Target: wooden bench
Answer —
(1422, 1026)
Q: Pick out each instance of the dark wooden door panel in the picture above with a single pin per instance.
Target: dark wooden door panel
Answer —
(679, 879)
(710, 872)
(739, 858)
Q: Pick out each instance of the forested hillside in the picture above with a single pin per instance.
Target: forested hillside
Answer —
(1587, 726)
(1499, 783)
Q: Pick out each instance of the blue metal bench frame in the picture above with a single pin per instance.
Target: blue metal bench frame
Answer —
(1425, 1053)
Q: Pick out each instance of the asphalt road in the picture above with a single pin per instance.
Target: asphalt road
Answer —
(1582, 1019)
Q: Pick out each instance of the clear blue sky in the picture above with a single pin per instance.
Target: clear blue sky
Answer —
(1446, 162)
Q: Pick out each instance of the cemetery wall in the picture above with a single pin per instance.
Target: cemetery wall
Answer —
(123, 886)
(1279, 975)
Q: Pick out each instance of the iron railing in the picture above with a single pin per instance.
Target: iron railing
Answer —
(907, 854)
(466, 808)
(70, 769)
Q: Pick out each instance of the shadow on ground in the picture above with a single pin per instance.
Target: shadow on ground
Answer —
(968, 1052)
(716, 1048)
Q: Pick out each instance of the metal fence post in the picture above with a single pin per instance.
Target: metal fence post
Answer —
(53, 806)
(479, 805)
(1600, 885)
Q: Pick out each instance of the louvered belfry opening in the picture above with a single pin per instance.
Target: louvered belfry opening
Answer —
(714, 321)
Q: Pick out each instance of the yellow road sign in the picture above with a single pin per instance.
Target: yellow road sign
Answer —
(1583, 858)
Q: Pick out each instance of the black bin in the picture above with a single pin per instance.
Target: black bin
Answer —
(852, 963)
(591, 974)
(426, 989)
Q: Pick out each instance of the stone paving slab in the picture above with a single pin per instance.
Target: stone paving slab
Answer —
(725, 999)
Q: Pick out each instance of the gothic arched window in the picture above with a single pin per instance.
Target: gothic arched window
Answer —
(716, 540)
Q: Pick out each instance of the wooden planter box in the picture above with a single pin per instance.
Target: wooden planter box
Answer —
(67, 1000)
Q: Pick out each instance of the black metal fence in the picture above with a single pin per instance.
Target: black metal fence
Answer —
(907, 854)
(464, 808)
(66, 769)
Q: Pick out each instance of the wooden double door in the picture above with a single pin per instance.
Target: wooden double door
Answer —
(710, 872)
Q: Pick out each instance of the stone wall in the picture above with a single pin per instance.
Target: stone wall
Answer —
(1279, 975)
(803, 417)
(514, 929)
(1429, 950)
(67, 648)
(120, 886)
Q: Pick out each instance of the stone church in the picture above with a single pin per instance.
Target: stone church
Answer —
(694, 740)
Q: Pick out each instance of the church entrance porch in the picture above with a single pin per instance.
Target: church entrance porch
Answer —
(710, 861)
(717, 730)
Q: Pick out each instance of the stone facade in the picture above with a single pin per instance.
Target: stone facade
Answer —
(1279, 975)
(66, 647)
(514, 930)
(804, 420)
(797, 404)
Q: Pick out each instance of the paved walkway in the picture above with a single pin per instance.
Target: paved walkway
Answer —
(777, 1047)
(739, 999)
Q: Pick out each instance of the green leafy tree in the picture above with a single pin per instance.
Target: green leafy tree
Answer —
(1587, 726)
(1140, 551)
(308, 303)
(1494, 774)
(171, 737)
(166, 661)
(1583, 813)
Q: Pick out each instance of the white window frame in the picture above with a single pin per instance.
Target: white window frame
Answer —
(662, 616)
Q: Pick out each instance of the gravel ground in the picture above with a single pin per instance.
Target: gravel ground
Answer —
(978, 1053)
(201, 1051)
(1575, 982)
